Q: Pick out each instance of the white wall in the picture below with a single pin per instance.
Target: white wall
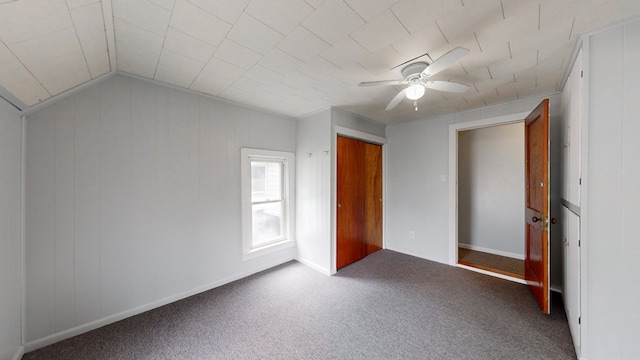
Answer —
(417, 200)
(610, 243)
(491, 189)
(133, 200)
(10, 232)
(313, 190)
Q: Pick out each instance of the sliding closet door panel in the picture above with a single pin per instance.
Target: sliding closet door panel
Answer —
(350, 217)
(373, 197)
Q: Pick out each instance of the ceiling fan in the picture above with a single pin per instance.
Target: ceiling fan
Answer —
(416, 74)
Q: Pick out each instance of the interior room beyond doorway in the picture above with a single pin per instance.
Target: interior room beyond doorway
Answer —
(491, 199)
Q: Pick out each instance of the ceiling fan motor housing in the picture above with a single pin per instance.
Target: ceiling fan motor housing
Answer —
(413, 70)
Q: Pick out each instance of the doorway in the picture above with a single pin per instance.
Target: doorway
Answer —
(491, 194)
(537, 198)
(454, 231)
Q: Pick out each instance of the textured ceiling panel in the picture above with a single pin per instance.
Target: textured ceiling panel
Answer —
(234, 53)
(281, 15)
(188, 46)
(333, 21)
(226, 10)
(255, 35)
(295, 57)
(303, 44)
(143, 14)
(25, 20)
(199, 24)
(380, 32)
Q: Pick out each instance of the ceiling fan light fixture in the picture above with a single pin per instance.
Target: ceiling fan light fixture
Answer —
(415, 91)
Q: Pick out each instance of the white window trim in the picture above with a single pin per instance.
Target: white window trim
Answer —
(246, 155)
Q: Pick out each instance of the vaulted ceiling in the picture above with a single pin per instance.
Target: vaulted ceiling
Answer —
(294, 57)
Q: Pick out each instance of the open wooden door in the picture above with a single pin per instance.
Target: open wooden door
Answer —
(359, 195)
(536, 263)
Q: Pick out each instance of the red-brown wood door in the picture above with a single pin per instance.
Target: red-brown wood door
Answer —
(373, 197)
(536, 263)
(359, 200)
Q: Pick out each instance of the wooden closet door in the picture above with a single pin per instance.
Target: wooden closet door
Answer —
(359, 195)
(373, 198)
(350, 215)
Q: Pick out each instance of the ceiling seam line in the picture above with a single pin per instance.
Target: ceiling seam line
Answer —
(75, 30)
(164, 40)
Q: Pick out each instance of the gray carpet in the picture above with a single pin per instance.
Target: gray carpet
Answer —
(492, 261)
(386, 306)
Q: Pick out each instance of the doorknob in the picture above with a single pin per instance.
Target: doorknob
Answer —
(339, 205)
(535, 219)
(554, 220)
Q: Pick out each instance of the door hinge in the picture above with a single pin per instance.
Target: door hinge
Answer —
(580, 181)
(578, 243)
(581, 73)
(579, 320)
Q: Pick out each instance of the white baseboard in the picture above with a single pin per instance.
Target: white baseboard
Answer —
(62, 335)
(313, 266)
(492, 251)
(19, 354)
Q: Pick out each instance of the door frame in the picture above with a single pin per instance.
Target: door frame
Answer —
(453, 183)
(359, 135)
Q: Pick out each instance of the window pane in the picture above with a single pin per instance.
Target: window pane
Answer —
(267, 222)
(266, 181)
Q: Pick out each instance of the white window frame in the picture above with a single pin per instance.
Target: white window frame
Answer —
(249, 251)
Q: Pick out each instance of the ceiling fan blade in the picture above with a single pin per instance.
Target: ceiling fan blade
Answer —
(445, 61)
(383, 82)
(446, 86)
(396, 99)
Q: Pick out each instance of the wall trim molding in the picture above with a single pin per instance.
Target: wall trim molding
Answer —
(341, 130)
(67, 93)
(23, 231)
(66, 334)
(19, 354)
(315, 267)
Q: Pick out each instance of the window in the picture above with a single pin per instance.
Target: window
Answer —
(267, 201)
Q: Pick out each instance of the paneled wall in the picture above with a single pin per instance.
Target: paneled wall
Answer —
(609, 235)
(132, 201)
(10, 232)
(313, 190)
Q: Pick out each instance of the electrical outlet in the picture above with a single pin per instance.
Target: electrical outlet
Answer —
(412, 235)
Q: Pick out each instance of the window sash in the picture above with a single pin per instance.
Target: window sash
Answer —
(272, 224)
(279, 194)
